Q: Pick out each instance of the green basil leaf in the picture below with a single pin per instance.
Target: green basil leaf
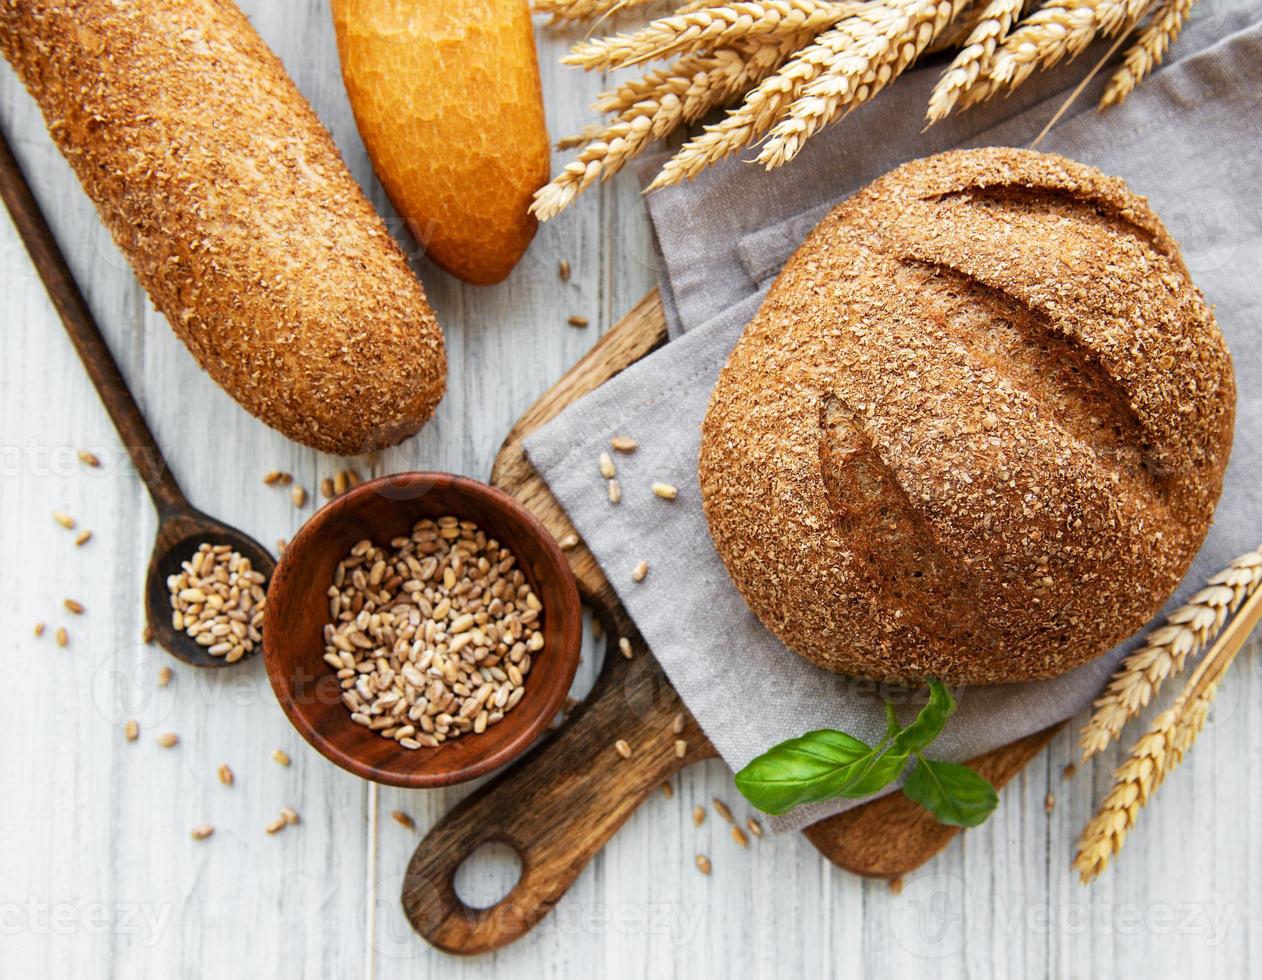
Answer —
(955, 794)
(930, 722)
(816, 766)
(875, 773)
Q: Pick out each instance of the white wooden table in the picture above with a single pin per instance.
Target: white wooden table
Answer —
(98, 874)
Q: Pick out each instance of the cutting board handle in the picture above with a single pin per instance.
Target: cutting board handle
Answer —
(557, 807)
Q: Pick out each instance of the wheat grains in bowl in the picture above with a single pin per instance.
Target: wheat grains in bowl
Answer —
(217, 598)
(432, 637)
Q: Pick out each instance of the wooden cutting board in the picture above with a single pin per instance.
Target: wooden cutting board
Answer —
(559, 805)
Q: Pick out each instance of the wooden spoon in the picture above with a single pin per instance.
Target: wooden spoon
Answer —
(181, 527)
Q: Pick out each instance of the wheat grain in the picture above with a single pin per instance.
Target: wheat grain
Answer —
(868, 51)
(569, 10)
(956, 34)
(1185, 633)
(709, 28)
(1147, 51)
(975, 60)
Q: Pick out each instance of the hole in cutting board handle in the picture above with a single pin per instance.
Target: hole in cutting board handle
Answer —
(487, 875)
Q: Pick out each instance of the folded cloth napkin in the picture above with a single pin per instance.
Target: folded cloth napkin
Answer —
(1190, 138)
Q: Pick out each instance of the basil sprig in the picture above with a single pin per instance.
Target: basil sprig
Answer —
(826, 764)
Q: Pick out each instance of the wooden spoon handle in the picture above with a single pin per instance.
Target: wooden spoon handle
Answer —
(556, 808)
(85, 334)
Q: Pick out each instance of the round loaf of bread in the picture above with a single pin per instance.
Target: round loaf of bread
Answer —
(977, 429)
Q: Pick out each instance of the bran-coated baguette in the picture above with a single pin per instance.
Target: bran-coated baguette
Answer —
(234, 207)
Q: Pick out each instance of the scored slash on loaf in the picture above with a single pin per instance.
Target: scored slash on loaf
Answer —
(977, 429)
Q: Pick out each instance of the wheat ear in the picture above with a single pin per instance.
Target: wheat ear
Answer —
(663, 101)
(869, 51)
(708, 28)
(1051, 34)
(1161, 748)
(758, 113)
(1184, 634)
(1147, 51)
(568, 10)
(976, 57)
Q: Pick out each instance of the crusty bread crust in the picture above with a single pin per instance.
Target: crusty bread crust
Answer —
(237, 212)
(448, 101)
(978, 428)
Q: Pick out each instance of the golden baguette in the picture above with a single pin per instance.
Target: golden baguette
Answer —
(448, 102)
(237, 212)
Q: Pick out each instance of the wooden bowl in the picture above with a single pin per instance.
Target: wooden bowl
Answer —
(298, 608)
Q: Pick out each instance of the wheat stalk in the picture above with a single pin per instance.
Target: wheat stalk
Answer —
(567, 10)
(708, 28)
(1148, 50)
(990, 28)
(1161, 748)
(663, 101)
(1184, 634)
(869, 51)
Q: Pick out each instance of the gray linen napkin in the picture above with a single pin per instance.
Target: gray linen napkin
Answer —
(1190, 138)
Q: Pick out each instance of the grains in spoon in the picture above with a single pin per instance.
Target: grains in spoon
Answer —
(217, 599)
